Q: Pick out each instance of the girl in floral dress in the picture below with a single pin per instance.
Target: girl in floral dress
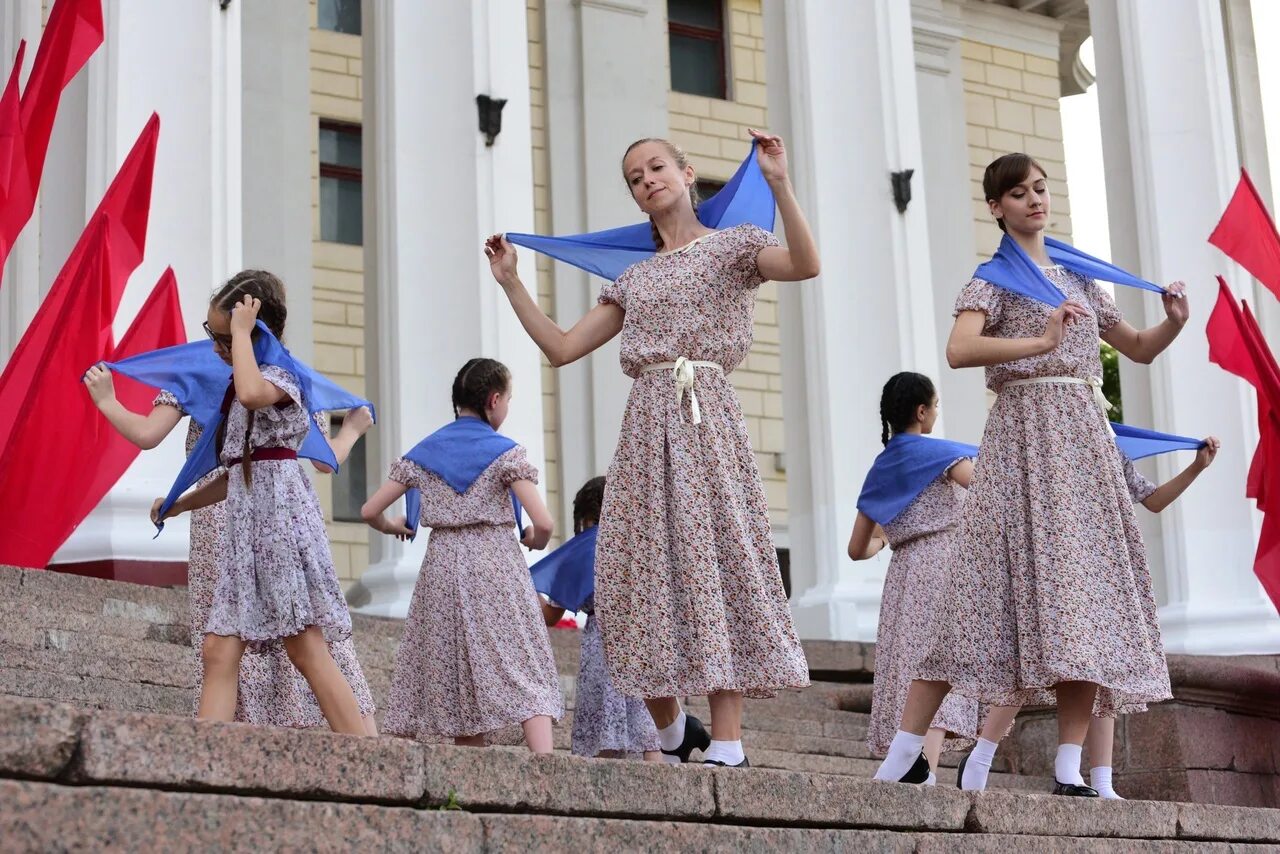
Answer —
(605, 723)
(920, 532)
(271, 690)
(475, 656)
(276, 584)
(688, 588)
(1048, 593)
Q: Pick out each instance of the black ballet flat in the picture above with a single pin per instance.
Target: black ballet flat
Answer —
(1071, 790)
(745, 763)
(960, 771)
(918, 773)
(696, 737)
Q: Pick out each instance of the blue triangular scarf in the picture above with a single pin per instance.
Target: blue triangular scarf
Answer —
(908, 464)
(458, 453)
(1011, 268)
(746, 198)
(567, 576)
(199, 380)
(1136, 443)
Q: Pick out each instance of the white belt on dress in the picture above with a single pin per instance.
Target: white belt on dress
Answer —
(682, 370)
(1095, 383)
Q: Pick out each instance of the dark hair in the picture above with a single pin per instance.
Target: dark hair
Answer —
(1006, 172)
(902, 394)
(478, 379)
(263, 286)
(587, 504)
(269, 291)
(682, 161)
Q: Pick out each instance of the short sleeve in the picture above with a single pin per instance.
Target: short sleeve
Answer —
(615, 292)
(321, 418)
(283, 380)
(167, 398)
(514, 465)
(1103, 305)
(981, 295)
(746, 270)
(1140, 488)
(406, 472)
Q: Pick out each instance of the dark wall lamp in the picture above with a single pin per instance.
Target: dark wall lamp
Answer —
(490, 116)
(901, 188)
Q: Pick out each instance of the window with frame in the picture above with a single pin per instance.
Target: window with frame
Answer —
(339, 16)
(341, 183)
(695, 31)
(349, 481)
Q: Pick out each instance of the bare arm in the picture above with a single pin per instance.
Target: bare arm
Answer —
(799, 258)
(867, 540)
(354, 425)
(372, 512)
(1142, 346)
(595, 328)
(551, 614)
(537, 535)
(209, 494)
(145, 431)
(1169, 491)
(252, 389)
(962, 473)
(969, 348)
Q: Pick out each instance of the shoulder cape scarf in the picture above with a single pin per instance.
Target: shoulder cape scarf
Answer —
(746, 198)
(567, 576)
(458, 453)
(200, 381)
(1011, 268)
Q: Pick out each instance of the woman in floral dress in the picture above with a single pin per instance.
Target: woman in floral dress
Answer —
(688, 588)
(1049, 597)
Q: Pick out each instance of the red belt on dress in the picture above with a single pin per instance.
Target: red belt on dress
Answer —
(265, 454)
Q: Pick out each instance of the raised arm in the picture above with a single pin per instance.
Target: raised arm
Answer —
(867, 540)
(1169, 491)
(797, 260)
(595, 328)
(354, 425)
(969, 348)
(145, 431)
(252, 388)
(1144, 345)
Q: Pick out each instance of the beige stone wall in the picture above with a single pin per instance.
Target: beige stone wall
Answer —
(714, 134)
(338, 272)
(1011, 104)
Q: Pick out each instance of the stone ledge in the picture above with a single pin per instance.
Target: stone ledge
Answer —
(1001, 813)
(38, 739)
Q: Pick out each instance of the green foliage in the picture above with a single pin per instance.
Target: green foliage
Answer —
(1111, 381)
(452, 802)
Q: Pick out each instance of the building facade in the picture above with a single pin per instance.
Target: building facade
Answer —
(339, 144)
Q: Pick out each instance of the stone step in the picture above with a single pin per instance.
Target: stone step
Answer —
(95, 692)
(816, 763)
(99, 752)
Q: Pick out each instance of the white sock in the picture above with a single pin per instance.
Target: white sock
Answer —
(904, 750)
(728, 752)
(932, 781)
(672, 735)
(979, 766)
(1100, 779)
(1066, 767)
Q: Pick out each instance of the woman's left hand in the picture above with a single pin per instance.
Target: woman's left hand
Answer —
(1206, 454)
(1175, 303)
(771, 155)
(245, 314)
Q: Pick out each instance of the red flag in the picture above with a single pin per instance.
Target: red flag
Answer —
(126, 205)
(17, 196)
(74, 31)
(57, 423)
(1225, 331)
(1247, 234)
(158, 324)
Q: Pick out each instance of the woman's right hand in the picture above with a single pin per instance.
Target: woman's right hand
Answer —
(155, 511)
(1068, 312)
(97, 380)
(502, 258)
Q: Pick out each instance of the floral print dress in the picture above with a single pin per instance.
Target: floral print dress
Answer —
(1048, 580)
(688, 588)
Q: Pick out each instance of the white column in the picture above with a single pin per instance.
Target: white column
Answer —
(437, 191)
(871, 312)
(195, 208)
(606, 87)
(20, 286)
(1170, 150)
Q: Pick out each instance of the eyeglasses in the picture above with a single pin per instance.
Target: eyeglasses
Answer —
(222, 340)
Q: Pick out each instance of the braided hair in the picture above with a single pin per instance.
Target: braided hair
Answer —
(587, 504)
(902, 394)
(478, 379)
(682, 162)
(269, 291)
